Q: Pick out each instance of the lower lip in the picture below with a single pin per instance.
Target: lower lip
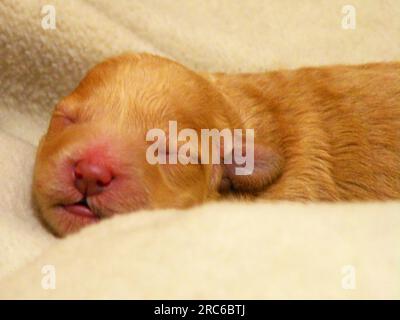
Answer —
(79, 210)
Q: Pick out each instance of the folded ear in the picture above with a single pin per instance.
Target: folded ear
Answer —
(251, 169)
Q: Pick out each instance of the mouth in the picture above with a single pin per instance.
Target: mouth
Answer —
(81, 209)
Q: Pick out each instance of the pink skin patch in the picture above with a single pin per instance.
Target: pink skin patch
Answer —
(76, 205)
(80, 210)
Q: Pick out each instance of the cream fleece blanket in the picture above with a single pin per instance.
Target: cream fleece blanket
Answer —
(225, 250)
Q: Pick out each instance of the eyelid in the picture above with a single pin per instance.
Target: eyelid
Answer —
(62, 111)
(64, 116)
(59, 121)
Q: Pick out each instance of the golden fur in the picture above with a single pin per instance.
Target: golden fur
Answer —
(321, 134)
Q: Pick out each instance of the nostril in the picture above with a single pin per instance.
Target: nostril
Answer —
(103, 184)
(78, 175)
(91, 178)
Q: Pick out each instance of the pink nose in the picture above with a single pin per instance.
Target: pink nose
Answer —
(91, 178)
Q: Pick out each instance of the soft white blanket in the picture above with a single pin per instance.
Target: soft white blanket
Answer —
(225, 250)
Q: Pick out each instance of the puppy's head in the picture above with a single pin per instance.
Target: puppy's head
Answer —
(92, 161)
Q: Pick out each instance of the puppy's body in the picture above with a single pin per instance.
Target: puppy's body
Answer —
(337, 128)
(330, 133)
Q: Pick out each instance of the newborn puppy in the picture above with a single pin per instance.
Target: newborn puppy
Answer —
(320, 134)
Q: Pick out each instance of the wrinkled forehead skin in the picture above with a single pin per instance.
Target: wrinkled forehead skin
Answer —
(141, 92)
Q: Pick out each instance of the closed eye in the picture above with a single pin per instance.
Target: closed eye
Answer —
(60, 121)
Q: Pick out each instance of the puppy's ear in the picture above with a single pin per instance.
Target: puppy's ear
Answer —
(266, 167)
(249, 168)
